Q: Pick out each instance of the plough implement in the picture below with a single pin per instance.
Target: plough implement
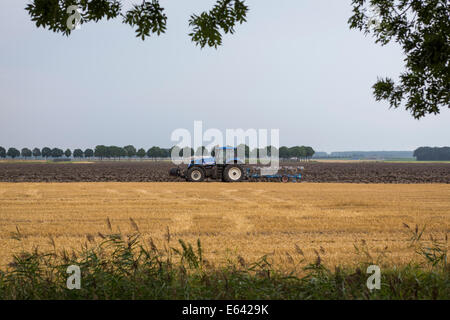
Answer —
(284, 174)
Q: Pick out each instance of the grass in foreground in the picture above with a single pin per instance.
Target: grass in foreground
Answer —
(123, 267)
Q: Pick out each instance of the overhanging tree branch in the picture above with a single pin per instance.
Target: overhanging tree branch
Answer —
(422, 29)
(146, 18)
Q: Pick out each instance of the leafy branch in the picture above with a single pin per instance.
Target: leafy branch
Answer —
(146, 18)
(422, 29)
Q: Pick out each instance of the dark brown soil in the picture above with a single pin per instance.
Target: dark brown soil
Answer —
(136, 171)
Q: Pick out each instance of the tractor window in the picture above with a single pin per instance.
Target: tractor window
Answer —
(224, 155)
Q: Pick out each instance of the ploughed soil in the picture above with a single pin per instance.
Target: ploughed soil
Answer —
(143, 171)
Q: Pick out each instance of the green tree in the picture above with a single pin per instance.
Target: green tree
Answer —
(67, 153)
(284, 152)
(141, 153)
(46, 152)
(88, 153)
(78, 153)
(26, 153)
(154, 152)
(296, 152)
(108, 152)
(303, 153)
(100, 152)
(422, 29)
(13, 153)
(165, 153)
(36, 152)
(115, 152)
(432, 154)
(57, 153)
(309, 152)
(146, 18)
(130, 151)
(2, 152)
(122, 153)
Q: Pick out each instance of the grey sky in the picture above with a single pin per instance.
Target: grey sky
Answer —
(295, 65)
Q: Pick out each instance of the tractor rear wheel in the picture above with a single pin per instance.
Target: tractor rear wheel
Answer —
(233, 173)
(195, 174)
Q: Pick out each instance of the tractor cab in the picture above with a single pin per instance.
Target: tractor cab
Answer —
(226, 155)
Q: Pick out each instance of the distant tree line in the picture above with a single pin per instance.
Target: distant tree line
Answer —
(100, 151)
(299, 153)
(130, 151)
(46, 152)
(115, 152)
(432, 154)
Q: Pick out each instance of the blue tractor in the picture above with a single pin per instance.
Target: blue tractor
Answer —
(224, 166)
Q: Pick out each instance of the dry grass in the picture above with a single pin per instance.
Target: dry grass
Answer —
(247, 219)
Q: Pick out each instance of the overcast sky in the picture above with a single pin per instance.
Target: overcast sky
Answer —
(294, 66)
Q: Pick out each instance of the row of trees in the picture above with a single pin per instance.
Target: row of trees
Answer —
(46, 152)
(130, 151)
(115, 152)
(432, 154)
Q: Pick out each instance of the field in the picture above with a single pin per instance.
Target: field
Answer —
(246, 219)
(157, 171)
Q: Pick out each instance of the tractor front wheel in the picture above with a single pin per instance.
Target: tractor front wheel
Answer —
(195, 174)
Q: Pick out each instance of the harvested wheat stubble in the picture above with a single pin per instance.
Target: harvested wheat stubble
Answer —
(247, 219)
(157, 171)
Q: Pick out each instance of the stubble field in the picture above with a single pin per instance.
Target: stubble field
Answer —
(246, 219)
